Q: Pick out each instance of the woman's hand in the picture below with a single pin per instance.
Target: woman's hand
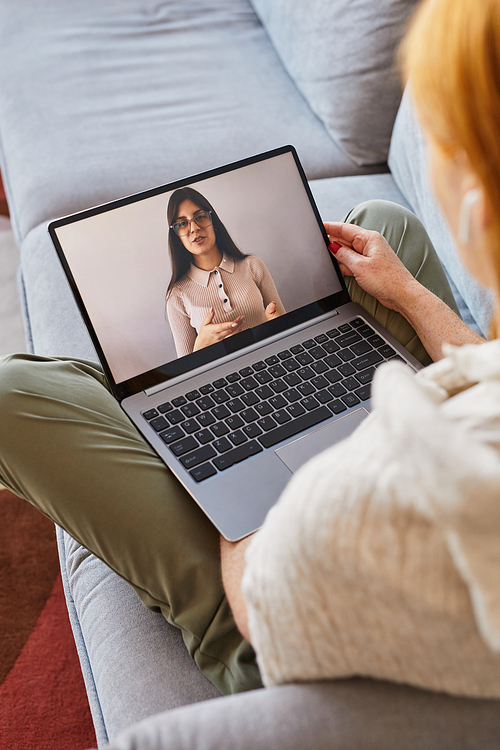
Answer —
(272, 311)
(368, 257)
(211, 333)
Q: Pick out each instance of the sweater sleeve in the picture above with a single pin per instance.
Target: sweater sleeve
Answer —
(180, 324)
(265, 283)
(354, 571)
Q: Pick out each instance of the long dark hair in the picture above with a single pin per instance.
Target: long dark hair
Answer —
(179, 256)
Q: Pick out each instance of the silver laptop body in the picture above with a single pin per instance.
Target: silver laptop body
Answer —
(234, 420)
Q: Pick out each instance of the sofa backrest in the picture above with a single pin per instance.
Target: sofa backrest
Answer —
(408, 164)
(341, 55)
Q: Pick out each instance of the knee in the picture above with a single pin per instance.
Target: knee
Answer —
(377, 213)
(15, 379)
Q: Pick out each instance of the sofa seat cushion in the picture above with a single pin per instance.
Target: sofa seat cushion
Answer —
(103, 98)
(341, 54)
(408, 163)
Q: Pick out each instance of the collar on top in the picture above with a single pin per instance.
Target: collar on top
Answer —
(201, 277)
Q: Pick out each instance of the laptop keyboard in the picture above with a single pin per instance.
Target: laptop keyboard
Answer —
(238, 416)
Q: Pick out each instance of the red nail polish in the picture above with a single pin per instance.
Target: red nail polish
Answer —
(334, 247)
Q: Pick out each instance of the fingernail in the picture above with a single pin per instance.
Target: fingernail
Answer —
(333, 247)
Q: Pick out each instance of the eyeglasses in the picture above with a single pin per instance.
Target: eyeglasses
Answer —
(183, 226)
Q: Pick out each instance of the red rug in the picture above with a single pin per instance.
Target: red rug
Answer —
(43, 704)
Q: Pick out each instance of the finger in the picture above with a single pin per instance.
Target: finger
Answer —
(348, 259)
(208, 318)
(231, 326)
(346, 234)
(271, 308)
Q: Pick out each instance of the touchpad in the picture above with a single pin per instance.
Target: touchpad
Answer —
(301, 450)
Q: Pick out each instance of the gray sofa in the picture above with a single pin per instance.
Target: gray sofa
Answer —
(103, 98)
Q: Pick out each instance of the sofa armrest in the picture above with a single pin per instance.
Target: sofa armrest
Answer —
(360, 714)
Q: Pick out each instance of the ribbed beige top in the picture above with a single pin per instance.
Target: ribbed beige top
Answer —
(234, 288)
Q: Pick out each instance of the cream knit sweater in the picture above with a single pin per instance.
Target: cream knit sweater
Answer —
(382, 557)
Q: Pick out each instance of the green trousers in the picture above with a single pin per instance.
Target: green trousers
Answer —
(68, 448)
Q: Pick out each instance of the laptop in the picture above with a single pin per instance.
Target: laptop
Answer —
(235, 418)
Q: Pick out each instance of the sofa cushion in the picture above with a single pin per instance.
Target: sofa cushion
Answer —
(103, 98)
(134, 662)
(352, 714)
(341, 54)
(408, 164)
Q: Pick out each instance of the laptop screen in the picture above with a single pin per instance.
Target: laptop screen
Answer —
(140, 268)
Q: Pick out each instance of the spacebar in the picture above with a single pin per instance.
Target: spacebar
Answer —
(290, 429)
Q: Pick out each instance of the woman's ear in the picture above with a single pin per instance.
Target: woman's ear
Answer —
(470, 198)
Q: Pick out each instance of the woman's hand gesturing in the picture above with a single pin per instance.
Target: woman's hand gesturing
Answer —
(211, 333)
(368, 257)
(272, 311)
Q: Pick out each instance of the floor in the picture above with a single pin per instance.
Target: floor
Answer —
(11, 325)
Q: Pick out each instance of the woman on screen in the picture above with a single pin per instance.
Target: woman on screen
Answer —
(215, 290)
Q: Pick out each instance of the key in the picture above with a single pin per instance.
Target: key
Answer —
(205, 389)
(204, 436)
(159, 424)
(367, 360)
(198, 457)
(220, 429)
(205, 402)
(237, 454)
(200, 473)
(266, 423)
(249, 415)
(220, 396)
(222, 445)
(250, 399)
(252, 430)
(337, 407)
(281, 416)
(309, 403)
(278, 402)
(190, 425)
(235, 405)
(174, 433)
(183, 446)
(237, 390)
(288, 430)
(296, 410)
(350, 399)
(279, 386)
(237, 438)
(364, 393)
(167, 406)
(221, 412)
(234, 422)
(206, 419)
(190, 410)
